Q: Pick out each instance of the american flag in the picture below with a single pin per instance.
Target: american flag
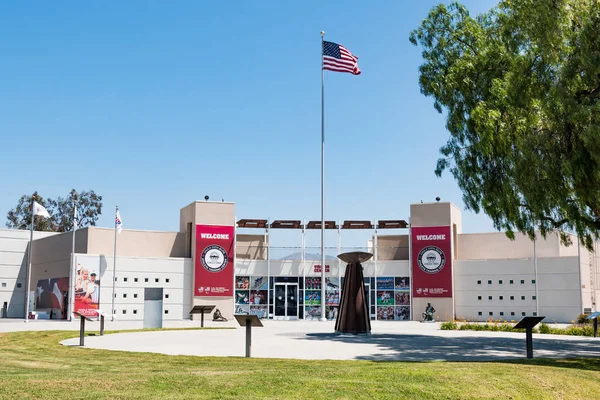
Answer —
(118, 223)
(337, 58)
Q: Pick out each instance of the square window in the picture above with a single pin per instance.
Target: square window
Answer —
(124, 295)
(135, 279)
(533, 281)
(512, 313)
(500, 282)
(115, 278)
(3, 284)
(166, 296)
(135, 295)
(166, 311)
(135, 311)
(478, 297)
(479, 282)
(501, 297)
(156, 280)
(533, 297)
(491, 313)
(115, 295)
(501, 313)
(522, 297)
(522, 281)
(145, 279)
(489, 297)
(511, 281)
(18, 286)
(523, 313)
(167, 280)
(479, 313)
(114, 311)
(489, 282)
(512, 297)
(124, 311)
(534, 314)
(124, 279)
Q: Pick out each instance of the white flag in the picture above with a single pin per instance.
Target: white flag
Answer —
(75, 220)
(38, 209)
(118, 223)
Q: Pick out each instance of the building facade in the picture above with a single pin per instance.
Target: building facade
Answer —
(217, 260)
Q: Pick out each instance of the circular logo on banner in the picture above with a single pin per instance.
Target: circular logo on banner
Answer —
(431, 259)
(214, 258)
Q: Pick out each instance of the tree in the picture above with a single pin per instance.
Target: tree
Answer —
(88, 203)
(520, 86)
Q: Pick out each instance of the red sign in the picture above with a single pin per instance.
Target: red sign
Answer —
(317, 268)
(431, 262)
(87, 290)
(214, 261)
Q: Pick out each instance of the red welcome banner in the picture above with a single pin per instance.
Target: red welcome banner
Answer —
(431, 261)
(214, 260)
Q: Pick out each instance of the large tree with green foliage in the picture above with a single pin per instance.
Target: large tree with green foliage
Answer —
(88, 203)
(520, 86)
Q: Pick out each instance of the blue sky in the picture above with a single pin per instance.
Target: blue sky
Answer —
(155, 104)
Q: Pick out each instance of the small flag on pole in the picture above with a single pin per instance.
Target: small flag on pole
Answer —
(39, 209)
(118, 222)
(337, 58)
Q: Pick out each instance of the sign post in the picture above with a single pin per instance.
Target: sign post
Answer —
(528, 323)
(594, 317)
(205, 309)
(82, 318)
(248, 321)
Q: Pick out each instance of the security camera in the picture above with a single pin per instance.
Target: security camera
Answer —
(206, 198)
(437, 199)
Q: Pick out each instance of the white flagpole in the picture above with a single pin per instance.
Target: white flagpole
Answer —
(73, 266)
(29, 262)
(112, 310)
(323, 316)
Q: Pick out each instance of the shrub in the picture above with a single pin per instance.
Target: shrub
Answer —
(448, 326)
(544, 328)
(582, 319)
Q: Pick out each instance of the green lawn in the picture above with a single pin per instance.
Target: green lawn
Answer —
(34, 365)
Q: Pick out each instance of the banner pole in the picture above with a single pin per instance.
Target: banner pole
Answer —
(112, 310)
(72, 271)
(29, 262)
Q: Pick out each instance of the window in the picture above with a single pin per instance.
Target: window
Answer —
(115, 295)
(166, 311)
(124, 279)
(522, 281)
(135, 295)
(114, 311)
(491, 313)
(167, 280)
(479, 282)
(533, 297)
(522, 297)
(18, 286)
(501, 313)
(512, 297)
(156, 280)
(115, 278)
(512, 313)
(135, 279)
(523, 313)
(500, 282)
(534, 314)
(124, 311)
(479, 313)
(511, 281)
(145, 279)
(489, 297)
(533, 281)
(489, 282)
(478, 297)
(501, 297)
(3, 284)
(166, 296)
(124, 295)
(135, 311)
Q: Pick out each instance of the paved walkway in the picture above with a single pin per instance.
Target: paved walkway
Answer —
(314, 340)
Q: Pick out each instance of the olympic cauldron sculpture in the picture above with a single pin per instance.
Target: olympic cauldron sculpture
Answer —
(353, 316)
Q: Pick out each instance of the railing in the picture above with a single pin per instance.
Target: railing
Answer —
(384, 253)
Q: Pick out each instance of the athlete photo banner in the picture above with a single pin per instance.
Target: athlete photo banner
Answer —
(214, 261)
(431, 261)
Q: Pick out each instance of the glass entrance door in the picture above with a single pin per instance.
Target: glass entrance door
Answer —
(286, 301)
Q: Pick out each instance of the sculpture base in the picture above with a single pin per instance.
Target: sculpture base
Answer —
(427, 322)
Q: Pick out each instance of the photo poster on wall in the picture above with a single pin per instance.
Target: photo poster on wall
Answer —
(385, 313)
(52, 294)
(402, 298)
(384, 283)
(242, 297)
(312, 283)
(385, 297)
(242, 282)
(260, 311)
(242, 309)
(87, 290)
(312, 297)
(258, 297)
(331, 313)
(402, 313)
(402, 283)
(332, 283)
(332, 298)
(259, 283)
(312, 313)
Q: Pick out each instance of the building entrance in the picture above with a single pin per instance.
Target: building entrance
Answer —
(286, 301)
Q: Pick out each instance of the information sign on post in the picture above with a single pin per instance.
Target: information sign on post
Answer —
(205, 309)
(594, 317)
(528, 323)
(248, 321)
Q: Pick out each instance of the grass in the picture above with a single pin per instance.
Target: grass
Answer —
(33, 365)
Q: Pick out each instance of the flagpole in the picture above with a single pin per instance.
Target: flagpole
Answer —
(112, 310)
(29, 261)
(73, 269)
(323, 316)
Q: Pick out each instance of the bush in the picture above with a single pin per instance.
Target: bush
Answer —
(449, 326)
(582, 319)
(544, 328)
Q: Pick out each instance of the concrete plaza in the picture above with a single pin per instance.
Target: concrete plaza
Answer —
(313, 340)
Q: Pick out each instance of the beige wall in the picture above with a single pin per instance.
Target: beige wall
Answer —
(431, 214)
(251, 247)
(444, 308)
(496, 245)
(135, 243)
(392, 247)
